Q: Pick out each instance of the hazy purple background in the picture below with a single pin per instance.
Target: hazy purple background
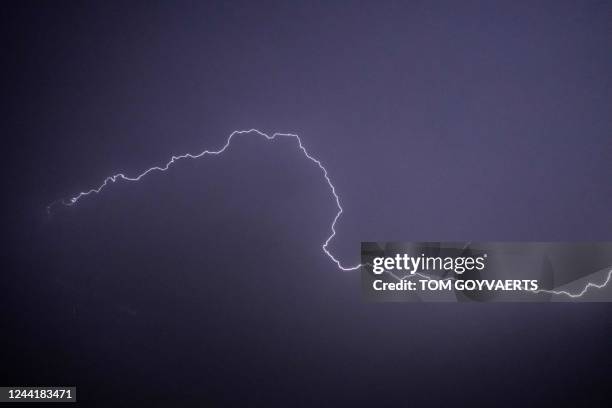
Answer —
(436, 121)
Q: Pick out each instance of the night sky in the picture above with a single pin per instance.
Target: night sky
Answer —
(207, 286)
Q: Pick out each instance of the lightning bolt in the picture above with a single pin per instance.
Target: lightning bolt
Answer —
(122, 177)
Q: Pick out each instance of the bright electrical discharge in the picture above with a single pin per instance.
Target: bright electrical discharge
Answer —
(120, 176)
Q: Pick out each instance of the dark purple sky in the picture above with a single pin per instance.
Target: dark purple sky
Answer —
(436, 120)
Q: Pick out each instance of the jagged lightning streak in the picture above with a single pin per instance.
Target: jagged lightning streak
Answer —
(120, 176)
(578, 294)
(174, 159)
